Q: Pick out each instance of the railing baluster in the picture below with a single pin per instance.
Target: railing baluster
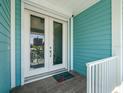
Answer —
(109, 76)
(106, 75)
(103, 78)
(97, 73)
(100, 79)
(112, 78)
(89, 79)
(92, 79)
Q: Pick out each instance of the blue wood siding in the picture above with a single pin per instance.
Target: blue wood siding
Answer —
(4, 46)
(18, 41)
(92, 35)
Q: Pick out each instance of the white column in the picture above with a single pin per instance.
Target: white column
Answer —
(12, 43)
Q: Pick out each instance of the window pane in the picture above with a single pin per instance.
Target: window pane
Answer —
(37, 42)
(57, 47)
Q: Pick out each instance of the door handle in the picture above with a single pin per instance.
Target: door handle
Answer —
(50, 53)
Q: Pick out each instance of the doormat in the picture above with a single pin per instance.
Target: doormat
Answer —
(63, 76)
(37, 66)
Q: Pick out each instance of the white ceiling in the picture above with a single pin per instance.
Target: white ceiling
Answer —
(67, 7)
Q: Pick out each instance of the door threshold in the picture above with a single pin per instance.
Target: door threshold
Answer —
(43, 75)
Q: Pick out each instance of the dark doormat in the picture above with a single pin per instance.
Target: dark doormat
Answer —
(63, 76)
(37, 66)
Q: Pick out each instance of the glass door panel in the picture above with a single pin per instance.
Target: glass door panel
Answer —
(57, 43)
(37, 42)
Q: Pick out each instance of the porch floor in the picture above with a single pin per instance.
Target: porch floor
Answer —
(77, 84)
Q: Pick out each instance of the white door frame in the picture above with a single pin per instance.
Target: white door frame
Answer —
(22, 43)
(48, 42)
(33, 7)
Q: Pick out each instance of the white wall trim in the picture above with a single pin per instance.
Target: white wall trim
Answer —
(71, 43)
(68, 46)
(123, 43)
(117, 34)
(13, 83)
(22, 42)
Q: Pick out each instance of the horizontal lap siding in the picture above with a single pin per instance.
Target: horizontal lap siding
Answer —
(18, 41)
(92, 35)
(4, 46)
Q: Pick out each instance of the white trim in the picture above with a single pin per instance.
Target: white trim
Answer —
(22, 42)
(42, 76)
(123, 42)
(68, 45)
(71, 43)
(122, 85)
(117, 34)
(13, 44)
(121, 39)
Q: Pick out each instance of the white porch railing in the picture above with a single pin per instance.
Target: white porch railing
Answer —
(102, 75)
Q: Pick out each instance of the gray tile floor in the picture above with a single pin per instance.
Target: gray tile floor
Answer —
(77, 84)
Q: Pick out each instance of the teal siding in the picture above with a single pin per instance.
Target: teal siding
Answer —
(18, 41)
(4, 46)
(92, 35)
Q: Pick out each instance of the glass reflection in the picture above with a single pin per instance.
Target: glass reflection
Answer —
(57, 47)
(37, 42)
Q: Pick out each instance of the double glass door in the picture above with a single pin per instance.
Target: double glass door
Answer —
(45, 43)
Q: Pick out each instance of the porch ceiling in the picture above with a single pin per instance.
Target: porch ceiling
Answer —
(67, 7)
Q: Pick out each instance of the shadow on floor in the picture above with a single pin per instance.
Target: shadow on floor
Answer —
(77, 84)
